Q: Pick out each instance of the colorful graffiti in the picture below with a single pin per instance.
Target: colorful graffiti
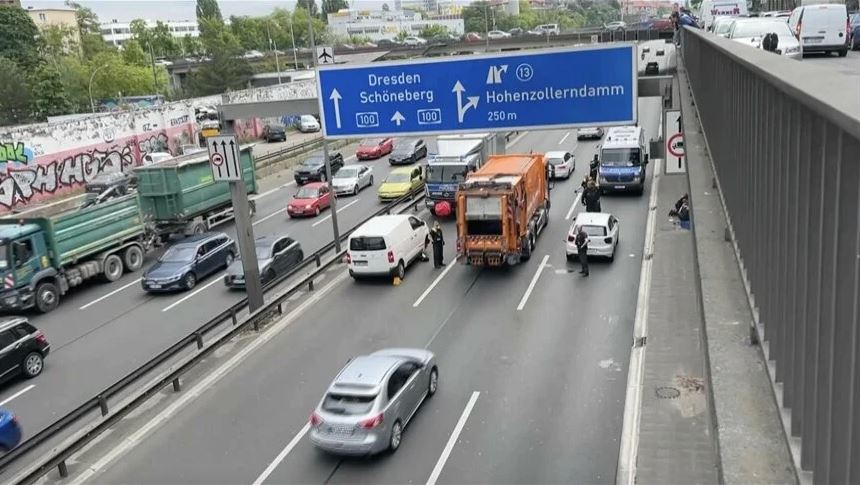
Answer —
(15, 153)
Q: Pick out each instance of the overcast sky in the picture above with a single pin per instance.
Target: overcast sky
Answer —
(127, 10)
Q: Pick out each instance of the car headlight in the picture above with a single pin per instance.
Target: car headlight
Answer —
(309, 206)
(10, 300)
(636, 179)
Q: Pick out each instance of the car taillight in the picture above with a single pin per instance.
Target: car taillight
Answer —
(390, 256)
(371, 423)
(40, 337)
(316, 420)
(348, 258)
(607, 240)
(571, 238)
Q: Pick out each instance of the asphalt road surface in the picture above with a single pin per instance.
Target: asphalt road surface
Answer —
(848, 65)
(101, 331)
(533, 366)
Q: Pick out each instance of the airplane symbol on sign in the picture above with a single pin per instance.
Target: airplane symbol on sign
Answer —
(325, 57)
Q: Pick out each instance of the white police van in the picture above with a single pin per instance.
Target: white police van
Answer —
(623, 159)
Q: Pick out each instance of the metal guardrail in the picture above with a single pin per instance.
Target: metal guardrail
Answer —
(99, 402)
(784, 145)
(287, 151)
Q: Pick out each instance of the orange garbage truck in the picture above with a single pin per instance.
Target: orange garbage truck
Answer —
(501, 210)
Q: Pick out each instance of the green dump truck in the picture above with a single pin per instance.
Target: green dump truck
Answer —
(46, 251)
(180, 196)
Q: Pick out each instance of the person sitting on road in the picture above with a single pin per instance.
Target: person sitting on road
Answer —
(682, 201)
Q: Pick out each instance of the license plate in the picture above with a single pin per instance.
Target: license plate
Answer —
(154, 286)
(619, 186)
(813, 40)
(360, 263)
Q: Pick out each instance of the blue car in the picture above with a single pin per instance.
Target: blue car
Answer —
(186, 263)
(10, 431)
(854, 23)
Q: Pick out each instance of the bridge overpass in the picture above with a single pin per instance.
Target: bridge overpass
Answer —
(725, 354)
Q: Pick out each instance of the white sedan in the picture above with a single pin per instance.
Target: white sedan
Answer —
(350, 179)
(562, 164)
(603, 234)
(497, 34)
(413, 41)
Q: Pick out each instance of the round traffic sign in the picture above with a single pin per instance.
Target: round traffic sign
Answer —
(675, 145)
(217, 159)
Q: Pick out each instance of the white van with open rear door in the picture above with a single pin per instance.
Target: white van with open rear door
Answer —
(821, 28)
(711, 9)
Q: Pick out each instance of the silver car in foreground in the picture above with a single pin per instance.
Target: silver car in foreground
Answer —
(372, 399)
(350, 179)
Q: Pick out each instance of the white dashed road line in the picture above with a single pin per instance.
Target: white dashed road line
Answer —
(112, 293)
(532, 284)
(315, 224)
(17, 394)
(440, 464)
(434, 283)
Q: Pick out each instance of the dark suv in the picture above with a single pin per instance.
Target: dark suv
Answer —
(23, 348)
(313, 169)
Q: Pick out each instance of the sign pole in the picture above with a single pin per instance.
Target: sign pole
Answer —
(226, 164)
(325, 147)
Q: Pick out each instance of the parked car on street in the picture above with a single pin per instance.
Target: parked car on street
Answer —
(546, 29)
(497, 34)
(313, 168)
(275, 133)
(407, 150)
(386, 246)
(276, 256)
(400, 182)
(414, 41)
(351, 179)
(308, 124)
(516, 32)
(372, 399)
(615, 26)
(602, 231)
(751, 32)
(373, 148)
(310, 200)
(388, 43)
(23, 348)
(591, 132)
(472, 37)
(561, 164)
(187, 262)
(821, 28)
(854, 24)
(10, 431)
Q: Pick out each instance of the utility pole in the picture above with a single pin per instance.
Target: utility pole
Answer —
(295, 49)
(274, 46)
(325, 145)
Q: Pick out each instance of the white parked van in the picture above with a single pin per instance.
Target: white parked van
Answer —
(821, 28)
(711, 9)
(386, 245)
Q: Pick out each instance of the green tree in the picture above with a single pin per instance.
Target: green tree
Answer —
(88, 21)
(133, 53)
(56, 41)
(50, 97)
(191, 46)
(115, 76)
(251, 32)
(433, 30)
(219, 75)
(140, 31)
(332, 6)
(18, 40)
(308, 6)
(216, 38)
(163, 42)
(209, 10)
(14, 94)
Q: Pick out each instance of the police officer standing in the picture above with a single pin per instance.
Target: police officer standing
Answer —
(581, 242)
(593, 166)
(438, 244)
(591, 197)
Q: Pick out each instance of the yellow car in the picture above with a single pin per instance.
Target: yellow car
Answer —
(400, 182)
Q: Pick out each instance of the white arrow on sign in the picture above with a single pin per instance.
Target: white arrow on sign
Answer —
(472, 103)
(398, 118)
(335, 96)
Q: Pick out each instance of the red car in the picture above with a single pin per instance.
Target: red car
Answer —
(373, 148)
(472, 37)
(310, 200)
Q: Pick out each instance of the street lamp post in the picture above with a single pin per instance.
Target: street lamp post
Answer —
(274, 46)
(154, 75)
(90, 86)
(293, 39)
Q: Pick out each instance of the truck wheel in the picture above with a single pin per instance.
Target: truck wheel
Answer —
(47, 297)
(527, 248)
(112, 268)
(133, 258)
(198, 227)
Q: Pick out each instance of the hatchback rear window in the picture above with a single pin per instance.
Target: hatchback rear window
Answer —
(367, 243)
(347, 404)
(594, 230)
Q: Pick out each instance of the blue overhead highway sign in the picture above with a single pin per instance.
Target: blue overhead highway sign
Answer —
(552, 88)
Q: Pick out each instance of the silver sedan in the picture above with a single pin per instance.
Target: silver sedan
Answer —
(370, 402)
(351, 179)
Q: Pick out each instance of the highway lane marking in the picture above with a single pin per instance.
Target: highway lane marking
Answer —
(207, 382)
(532, 283)
(434, 283)
(112, 293)
(17, 394)
(573, 206)
(629, 446)
(215, 279)
(315, 224)
(452, 440)
(283, 454)
(564, 138)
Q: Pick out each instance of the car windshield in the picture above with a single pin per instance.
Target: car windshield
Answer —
(446, 173)
(347, 404)
(307, 193)
(179, 254)
(371, 142)
(367, 243)
(4, 256)
(555, 161)
(404, 145)
(760, 29)
(397, 178)
(313, 162)
(263, 252)
(592, 230)
(722, 27)
(346, 173)
(276, 128)
(308, 119)
(620, 157)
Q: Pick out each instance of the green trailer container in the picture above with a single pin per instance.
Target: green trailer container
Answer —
(181, 195)
(46, 251)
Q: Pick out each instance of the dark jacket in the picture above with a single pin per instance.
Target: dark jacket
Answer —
(581, 241)
(591, 199)
(436, 236)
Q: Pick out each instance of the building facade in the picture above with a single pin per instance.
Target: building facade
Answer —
(118, 33)
(382, 24)
(64, 18)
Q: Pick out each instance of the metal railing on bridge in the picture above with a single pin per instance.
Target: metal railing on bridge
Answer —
(784, 138)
